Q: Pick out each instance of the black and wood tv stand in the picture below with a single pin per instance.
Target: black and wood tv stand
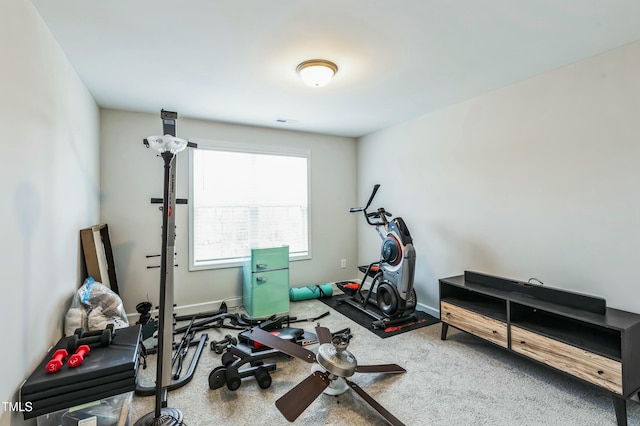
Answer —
(571, 332)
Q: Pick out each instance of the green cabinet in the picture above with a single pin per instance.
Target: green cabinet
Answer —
(266, 282)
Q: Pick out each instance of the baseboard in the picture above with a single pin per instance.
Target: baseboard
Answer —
(211, 306)
(428, 309)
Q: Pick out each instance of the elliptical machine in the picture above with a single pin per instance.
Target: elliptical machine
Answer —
(391, 288)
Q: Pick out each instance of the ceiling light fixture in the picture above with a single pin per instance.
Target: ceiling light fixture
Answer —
(317, 72)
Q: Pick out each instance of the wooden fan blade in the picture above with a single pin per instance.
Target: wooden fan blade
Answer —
(294, 402)
(372, 402)
(289, 348)
(380, 368)
(324, 335)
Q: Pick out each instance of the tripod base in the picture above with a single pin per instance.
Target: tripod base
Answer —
(168, 416)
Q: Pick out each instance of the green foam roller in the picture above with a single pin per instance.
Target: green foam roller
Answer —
(310, 292)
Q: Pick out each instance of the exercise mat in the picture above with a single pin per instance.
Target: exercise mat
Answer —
(310, 292)
(338, 303)
(107, 371)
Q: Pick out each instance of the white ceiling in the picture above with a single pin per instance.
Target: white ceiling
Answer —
(235, 60)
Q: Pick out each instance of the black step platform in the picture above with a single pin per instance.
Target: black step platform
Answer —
(105, 372)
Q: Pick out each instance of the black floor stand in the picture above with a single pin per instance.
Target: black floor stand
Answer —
(164, 415)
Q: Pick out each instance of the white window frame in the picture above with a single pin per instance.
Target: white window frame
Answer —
(249, 149)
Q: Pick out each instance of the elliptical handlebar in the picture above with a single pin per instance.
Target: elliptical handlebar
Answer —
(379, 214)
(373, 194)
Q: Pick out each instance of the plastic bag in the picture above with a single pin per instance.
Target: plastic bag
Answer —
(94, 306)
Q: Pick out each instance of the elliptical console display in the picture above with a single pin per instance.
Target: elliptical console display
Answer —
(391, 287)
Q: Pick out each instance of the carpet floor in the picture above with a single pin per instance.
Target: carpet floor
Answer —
(460, 381)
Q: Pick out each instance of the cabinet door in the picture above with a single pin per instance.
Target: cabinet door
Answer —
(270, 292)
(488, 328)
(586, 365)
(269, 258)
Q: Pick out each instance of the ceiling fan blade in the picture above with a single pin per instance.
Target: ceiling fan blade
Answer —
(294, 402)
(372, 402)
(324, 335)
(380, 368)
(289, 348)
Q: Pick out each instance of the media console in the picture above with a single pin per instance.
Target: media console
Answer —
(571, 332)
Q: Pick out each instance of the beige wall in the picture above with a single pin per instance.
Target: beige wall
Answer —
(50, 188)
(538, 179)
(132, 175)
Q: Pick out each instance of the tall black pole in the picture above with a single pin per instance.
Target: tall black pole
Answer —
(164, 415)
(160, 390)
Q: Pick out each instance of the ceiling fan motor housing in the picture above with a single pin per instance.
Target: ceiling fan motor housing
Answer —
(339, 363)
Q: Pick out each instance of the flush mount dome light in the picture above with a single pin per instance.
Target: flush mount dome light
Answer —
(317, 72)
(167, 143)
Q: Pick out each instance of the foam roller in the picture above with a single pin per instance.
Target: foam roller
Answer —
(310, 292)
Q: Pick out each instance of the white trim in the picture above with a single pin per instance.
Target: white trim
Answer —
(253, 148)
(428, 309)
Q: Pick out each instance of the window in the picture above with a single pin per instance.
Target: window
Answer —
(244, 197)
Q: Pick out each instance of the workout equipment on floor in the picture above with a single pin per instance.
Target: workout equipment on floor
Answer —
(332, 364)
(182, 349)
(390, 297)
(217, 319)
(168, 146)
(219, 346)
(144, 309)
(236, 321)
(310, 292)
(149, 326)
(281, 326)
(230, 374)
(245, 350)
(295, 335)
(177, 381)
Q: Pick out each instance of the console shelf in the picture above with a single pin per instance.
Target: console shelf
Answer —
(570, 332)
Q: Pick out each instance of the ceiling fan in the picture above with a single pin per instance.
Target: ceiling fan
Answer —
(333, 363)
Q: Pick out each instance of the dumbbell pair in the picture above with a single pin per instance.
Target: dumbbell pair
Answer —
(219, 346)
(79, 343)
(56, 362)
(89, 338)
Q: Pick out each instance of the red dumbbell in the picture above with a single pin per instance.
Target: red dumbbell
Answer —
(56, 361)
(77, 358)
